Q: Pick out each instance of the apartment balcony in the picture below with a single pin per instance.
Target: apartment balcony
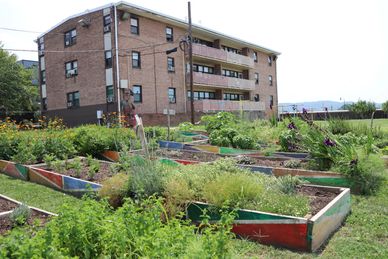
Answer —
(221, 105)
(222, 56)
(218, 81)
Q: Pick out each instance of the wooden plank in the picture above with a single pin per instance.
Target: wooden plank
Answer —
(329, 218)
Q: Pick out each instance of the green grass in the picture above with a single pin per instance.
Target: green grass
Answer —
(364, 235)
(35, 195)
(379, 123)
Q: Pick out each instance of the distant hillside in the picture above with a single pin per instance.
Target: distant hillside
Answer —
(314, 106)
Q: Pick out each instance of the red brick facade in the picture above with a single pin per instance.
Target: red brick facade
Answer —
(153, 76)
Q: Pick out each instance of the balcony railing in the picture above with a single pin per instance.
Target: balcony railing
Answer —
(221, 105)
(222, 81)
(222, 55)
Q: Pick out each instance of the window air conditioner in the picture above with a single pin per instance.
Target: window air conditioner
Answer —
(107, 28)
(109, 99)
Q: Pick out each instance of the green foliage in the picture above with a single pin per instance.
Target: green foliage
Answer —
(16, 90)
(146, 178)
(20, 215)
(218, 121)
(223, 183)
(185, 126)
(363, 108)
(243, 141)
(222, 137)
(293, 163)
(384, 107)
(339, 126)
(133, 231)
(94, 140)
(115, 189)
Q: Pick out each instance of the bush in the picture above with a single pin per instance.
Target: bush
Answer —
(339, 126)
(20, 215)
(218, 121)
(293, 163)
(115, 189)
(384, 107)
(243, 142)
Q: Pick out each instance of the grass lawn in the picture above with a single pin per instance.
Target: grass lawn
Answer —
(364, 235)
(35, 195)
(380, 123)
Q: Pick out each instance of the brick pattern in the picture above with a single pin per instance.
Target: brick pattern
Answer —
(153, 75)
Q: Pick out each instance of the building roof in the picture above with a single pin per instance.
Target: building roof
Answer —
(123, 5)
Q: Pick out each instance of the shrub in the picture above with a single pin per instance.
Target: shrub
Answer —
(115, 189)
(363, 108)
(177, 193)
(339, 126)
(218, 121)
(384, 107)
(243, 141)
(20, 215)
(146, 178)
(293, 163)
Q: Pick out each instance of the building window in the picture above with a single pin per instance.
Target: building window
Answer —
(199, 95)
(70, 37)
(107, 22)
(108, 59)
(170, 64)
(230, 49)
(203, 42)
(203, 69)
(257, 78)
(271, 101)
(44, 104)
(43, 76)
(172, 95)
(233, 97)
(135, 25)
(257, 98)
(231, 73)
(169, 34)
(270, 80)
(136, 59)
(110, 94)
(41, 46)
(255, 56)
(73, 100)
(71, 68)
(269, 61)
(137, 94)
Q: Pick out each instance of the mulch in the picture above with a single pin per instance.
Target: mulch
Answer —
(6, 205)
(319, 198)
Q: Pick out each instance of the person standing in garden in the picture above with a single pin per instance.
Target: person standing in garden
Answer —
(128, 110)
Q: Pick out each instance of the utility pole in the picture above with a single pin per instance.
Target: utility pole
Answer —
(191, 65)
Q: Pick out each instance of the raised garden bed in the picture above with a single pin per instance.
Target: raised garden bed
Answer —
(329, 207)
(60, 182)
(82, 169)
(7, 205)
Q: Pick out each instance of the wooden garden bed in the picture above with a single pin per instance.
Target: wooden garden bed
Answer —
(60, 182)
(329, 207)
(7, 205)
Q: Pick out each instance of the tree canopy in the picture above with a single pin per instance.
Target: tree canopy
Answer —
(16, 90)
(363, 108)
(384, 106)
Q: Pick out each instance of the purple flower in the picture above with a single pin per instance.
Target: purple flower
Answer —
(304, 111)
(291, 126)
(328, 142)
(353, 162)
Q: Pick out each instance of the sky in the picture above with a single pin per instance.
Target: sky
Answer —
(331, 49)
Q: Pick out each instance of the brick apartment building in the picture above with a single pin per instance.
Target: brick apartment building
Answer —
(88, 61)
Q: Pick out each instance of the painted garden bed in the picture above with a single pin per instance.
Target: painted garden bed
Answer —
(226, 150)
(297, 233)
(7, 205)
(60, 182)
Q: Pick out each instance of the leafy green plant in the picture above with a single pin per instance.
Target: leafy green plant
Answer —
(384, 107)
(48, 159)
(243, 142)
(339, 126)
(76, 164)
(20, 215)
(293, 163)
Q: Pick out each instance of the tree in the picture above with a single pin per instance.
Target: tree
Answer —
(384, 107)
(363, 108)
(16, 90)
